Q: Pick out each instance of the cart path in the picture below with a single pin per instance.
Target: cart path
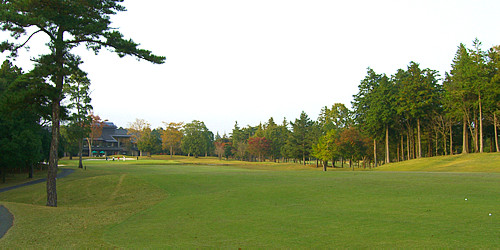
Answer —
(6, 218)
(64, 172)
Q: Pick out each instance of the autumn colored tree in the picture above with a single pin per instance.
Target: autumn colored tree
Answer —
(172, 137)
(95, 130)
(259, 147)
(140, 130)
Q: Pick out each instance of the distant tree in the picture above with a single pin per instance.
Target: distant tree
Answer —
(140, 130)
(352, 145)
(301, 138)
(336, 117)
(95, 128)
(259, 147)
(77, 87)
(417, 96)
(326, 148)
(197, 138)
(219, 148)
(374, 108)
(493, 91)
(172, 137)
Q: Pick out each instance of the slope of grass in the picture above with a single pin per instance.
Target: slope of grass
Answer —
(158, 203)
(486, 162)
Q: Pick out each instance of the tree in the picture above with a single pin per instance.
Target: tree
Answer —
(77, 87)
(95, 130)
(493, 93)
(259, 147)
(417, 95)
(374, 108)
(67, 24)
(327, 148)
(140, 130)
(197, 138)
(172, 137)
(23, 103)
(301, 136)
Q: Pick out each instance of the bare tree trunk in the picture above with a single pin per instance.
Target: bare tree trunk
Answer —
(397, 153)
(475, 135)
(408, 145)
(80, 152)
(481, 144)
(374, 152)
(387, 160)
(451, 139)
(402, 148)
(496, 133)
(419, 139)
(465, 142)
(437, 135)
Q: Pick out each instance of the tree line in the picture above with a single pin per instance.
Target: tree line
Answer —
(411, 114)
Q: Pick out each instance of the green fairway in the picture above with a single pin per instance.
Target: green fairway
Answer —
(162, 204)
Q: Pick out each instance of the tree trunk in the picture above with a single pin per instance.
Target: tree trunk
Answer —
(475, 135)
(32, 170)
(374, 152)
(89, 140)
(171, 152)
(387, 160)
(481, 144)
(419, 139)
(437, 141)
(325, 163)
(465, 143)
(52, 169)
(408, 144)
(80, 152)
(451, 139)
(496, 133)
(402, 148)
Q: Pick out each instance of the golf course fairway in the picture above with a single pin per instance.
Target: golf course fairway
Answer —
(161, 204)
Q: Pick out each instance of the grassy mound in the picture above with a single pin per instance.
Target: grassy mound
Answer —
(161, 204)
(486, 162)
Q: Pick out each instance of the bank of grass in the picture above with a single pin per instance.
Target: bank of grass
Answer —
(181, 203)
(485, 162)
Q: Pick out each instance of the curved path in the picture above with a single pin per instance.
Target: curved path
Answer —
(6, 218)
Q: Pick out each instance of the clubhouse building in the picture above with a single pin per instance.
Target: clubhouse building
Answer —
(113, 141)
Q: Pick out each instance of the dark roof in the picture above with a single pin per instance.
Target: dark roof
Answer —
(110, 132)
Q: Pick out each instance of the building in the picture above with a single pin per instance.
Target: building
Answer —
(113, 141)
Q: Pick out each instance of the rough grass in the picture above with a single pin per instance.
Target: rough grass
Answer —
(486, 162)
(184, 204)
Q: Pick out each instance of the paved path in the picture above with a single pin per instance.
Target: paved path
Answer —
(64, 172)
(6, 218)
(6, 221)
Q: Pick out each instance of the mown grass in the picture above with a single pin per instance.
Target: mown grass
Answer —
(167, 204)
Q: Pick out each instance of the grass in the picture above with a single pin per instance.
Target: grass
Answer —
(182, 203)
(486, 162)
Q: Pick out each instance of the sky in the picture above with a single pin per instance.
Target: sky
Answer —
(247, 61)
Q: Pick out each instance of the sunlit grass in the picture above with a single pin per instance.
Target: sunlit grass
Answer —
(486, 162)
(160, 202)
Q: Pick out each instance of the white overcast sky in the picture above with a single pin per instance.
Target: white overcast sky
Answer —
(247, 61)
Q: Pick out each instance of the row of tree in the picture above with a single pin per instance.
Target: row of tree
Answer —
(412, 112)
